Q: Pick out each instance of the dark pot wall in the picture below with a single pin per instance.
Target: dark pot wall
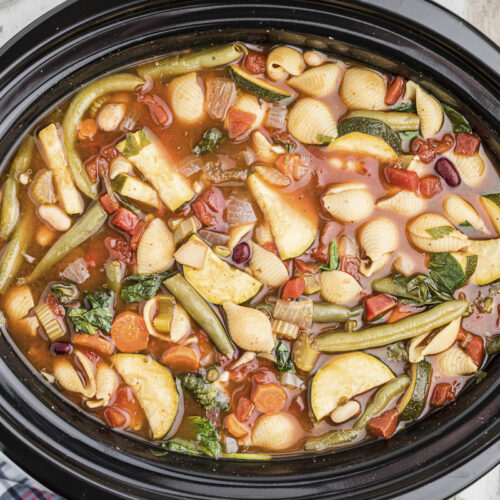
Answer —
(74, 454)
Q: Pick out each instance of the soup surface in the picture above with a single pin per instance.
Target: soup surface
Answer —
(253, 250)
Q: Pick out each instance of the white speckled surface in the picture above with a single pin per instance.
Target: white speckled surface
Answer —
(484, 14)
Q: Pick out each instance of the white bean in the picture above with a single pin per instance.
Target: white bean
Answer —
(110, 116)
(345, 412)
(313, 58)
(55, 216)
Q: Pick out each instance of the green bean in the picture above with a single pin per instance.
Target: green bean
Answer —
(85, 227)
(330, 440)
(493, 345)
(324, 312)
(380, 335)
(12, 256)
(381, 399)
(247, 456)
(9, 215)
(183, 63)
(200, 311)
(114, 276)
(120, 82)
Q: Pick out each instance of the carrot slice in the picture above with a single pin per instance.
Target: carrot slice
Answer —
(129, 332)
(93, 342)
(235, 427)
(293, 289)
(87, 129)
(269, 398)
(181, 358)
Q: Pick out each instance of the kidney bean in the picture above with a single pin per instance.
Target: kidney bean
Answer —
(442, 394)
(466, 144)
(426, 152)
(61, 348)
(395, 90)
(241, 253)
(448, 172)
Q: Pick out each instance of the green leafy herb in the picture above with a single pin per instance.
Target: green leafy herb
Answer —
(98, 316)
(287, 144)
(409, 134)
(133, 143)
(128, 204)
(284, 358)
(205, 393)
(447, 272)
(182, 446)
(466, 224)
(458, 121)
(397, 352)
(439, 231)
(334, 261)
(408, 106)
(206, 435)
(211, 140)
(325, 139)
(493, 345)
(480, 375)
(145, 286)
(64, 293)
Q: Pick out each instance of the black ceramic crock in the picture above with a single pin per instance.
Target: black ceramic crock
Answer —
(75, 455)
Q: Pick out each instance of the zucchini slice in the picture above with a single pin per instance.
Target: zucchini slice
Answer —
(488, 260)
(134, 188)
(294, 231)
(154, 388)
(398, 120)
(364, 144)
(343, 377)
(148, 155)
(219, 282)
(370, 126)
(413, 401)
(257, 86)
(491, 204)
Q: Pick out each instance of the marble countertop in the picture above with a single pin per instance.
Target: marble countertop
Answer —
(483, 14)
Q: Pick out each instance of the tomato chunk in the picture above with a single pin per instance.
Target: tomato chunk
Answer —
(119, 249)
(111, 206)
(202, 213)
(244, 409)
(125, 219)
(426, 152)
(115, 417)
(405, 179)
(291, 166)
(158, 109)
(215, 199)
(293, 289)
(475, 349)
(238, 122)
(305, 267)
(441, 394)
(466, 144)
(395, 90)
(377, 305)
(401, 311)
(430, 185)
(255, 62)
(55, 306)
(385, 424)
(350, 265)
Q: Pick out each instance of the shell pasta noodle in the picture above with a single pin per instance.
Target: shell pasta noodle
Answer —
(252, 251)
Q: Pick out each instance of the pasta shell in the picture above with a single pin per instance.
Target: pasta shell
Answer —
(249, 328)
(430, 113)
(155, 250)
(441, 341)
(369, 268)
(349, 201)
(186, 98)
(410, 91)
(421, 228)
(283, 61)
(106, 385)
(267, 267)
(250, 104)
(378, 237)
(18, 303)
(403, 264)
(318, 82)
(455, 362)
(263, 148)
(461, 212)
(405, 203)
(68, 378)
(363, 88)
(276, 432)
(309, 119)
(181, 324)
(471, 168)
(338, 287)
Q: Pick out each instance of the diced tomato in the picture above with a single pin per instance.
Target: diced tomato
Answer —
(125, 219)
(202, 213)
(441, 394)
(293, 289)
(244, 409)
(401, 311)
(126, 402)
(405, 179)
(377, 305)
(322, 252)
(55, 306)
(430, 185)
(109, 152)
(395, 90)
(114, 417)
(238, 122)
(234, 426)
(463, 335)
(255, 62)
(291, 166)
(271, 247)
(385, 424)
(158, 109)
(111, 206)
(426, 152)
(305, 267)
(466, 144)
(350, 265)
(119, 249)
(475, 349)
(137, 234)
(87, 129)
(214, 198)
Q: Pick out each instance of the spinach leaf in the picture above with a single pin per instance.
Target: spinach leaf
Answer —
(458, 120)
(99, 316)
(439, 231)
(133, 143)
(205, 393)
(334, 261)
(408, 106)
(64, 293)
(210, 141)
(466, 224)
(397, 352)
(145, 286)
(284, 358)
(286, 143)
(206, 435)
(447, 272)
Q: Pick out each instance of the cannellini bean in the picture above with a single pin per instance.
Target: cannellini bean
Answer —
(120, 165)
(110, 116)
(55, 216)
(45, 236)
(345, 412)
(312, 58)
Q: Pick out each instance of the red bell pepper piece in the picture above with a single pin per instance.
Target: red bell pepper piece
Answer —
(466, 144)
(441, 394)
(430, 185)
(125, 219)
(377, 305)
(111, 206)
(384, 425)
(405, 179)
(401, 311)
(293, 289)
(202, 213)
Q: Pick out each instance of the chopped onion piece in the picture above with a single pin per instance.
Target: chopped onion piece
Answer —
(130, 121)
(230, 444)
(76, 271)
(248, 156)
(297, 312)
(219, 94)
(277, 116)
(190, 165)
(240, 212)
(289, 379)
(213, 237)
